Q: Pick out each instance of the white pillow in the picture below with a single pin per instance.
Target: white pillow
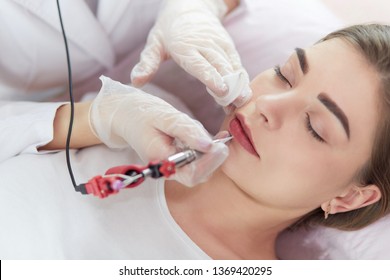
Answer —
(267, 32)
(369, 243)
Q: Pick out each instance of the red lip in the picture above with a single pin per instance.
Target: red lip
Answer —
(242, 134)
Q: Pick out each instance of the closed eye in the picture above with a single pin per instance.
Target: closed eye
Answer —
(281, 76)
(311, 130)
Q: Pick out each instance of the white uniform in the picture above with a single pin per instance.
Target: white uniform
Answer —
(42, 217)
(100, 37)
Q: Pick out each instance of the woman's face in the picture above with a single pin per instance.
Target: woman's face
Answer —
(308, 128)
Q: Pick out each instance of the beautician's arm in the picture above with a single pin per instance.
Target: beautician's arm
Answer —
(123, 116)
(82, 135)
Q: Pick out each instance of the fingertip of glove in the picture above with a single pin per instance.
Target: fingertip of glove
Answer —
(229, 109)
(139, 76)
(244, 97)
(220, 149)
(221, 134)
(218, 91)
(204, 144)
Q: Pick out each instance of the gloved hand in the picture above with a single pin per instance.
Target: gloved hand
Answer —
(123, 116)
(192, 34)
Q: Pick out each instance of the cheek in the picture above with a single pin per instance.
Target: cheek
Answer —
(287, 178)
(306, 179)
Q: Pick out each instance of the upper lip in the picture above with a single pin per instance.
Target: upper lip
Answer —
(247, 130)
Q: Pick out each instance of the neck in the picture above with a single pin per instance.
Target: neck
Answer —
(225, 221)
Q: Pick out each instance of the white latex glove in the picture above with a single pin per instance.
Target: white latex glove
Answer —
(123, 116)
(190, 31)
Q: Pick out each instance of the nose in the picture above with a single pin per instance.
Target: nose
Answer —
(275, 109)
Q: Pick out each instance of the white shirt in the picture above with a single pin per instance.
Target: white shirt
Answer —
(24, 126)
(42, 217)
(33, 62)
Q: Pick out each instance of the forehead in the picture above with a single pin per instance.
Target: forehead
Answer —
(340, 58)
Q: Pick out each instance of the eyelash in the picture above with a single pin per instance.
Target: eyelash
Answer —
(307, 121)
(311, 130)
(281, 76)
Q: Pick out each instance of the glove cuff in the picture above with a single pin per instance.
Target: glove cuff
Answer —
(102, 112)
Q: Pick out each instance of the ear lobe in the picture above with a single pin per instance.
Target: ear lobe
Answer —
(355, 198)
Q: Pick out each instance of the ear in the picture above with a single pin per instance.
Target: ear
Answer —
(354, 198)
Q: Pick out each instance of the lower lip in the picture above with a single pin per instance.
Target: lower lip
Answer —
(239, 134)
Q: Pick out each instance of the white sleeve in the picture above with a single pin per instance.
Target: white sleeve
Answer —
(25, 126)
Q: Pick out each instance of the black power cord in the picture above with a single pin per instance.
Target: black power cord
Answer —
(71, 101)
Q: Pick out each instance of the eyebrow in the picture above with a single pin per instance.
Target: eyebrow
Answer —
(302, 60)
(323, 97)
(336, 110)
